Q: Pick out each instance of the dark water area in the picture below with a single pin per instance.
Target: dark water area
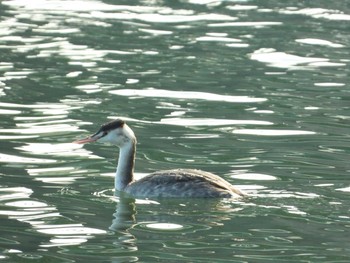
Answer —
(254, 91)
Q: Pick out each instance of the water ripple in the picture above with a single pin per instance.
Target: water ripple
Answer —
(161, 93)
(58, 149)
(317, 13)
(210, 122)
(286, 140)
(19, 205)
(270, 132)
(247, 24)
(7, 158)
(42, 129)
(320, 42)
(284, 60)
(98, 10)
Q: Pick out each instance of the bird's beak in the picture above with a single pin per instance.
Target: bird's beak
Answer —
(86, 140)
(92, 138)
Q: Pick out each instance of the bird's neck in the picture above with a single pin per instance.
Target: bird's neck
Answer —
(125, 169)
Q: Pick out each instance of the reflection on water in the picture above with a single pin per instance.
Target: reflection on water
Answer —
(254, 91)
(265, 132)
(166, 219)
(330, 14)
(39, 214)
(321, 42)
(283, 60)
(7, 158)
(185, 95)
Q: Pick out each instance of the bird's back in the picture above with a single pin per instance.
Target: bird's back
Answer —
(182, 183)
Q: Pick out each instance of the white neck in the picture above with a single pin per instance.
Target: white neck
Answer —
(125, 169)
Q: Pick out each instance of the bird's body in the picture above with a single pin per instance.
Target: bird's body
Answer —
(169, 183)
(181, 183)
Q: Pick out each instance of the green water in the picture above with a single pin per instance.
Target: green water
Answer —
(254, 91)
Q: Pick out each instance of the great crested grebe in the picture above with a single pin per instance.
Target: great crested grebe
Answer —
(168, 183)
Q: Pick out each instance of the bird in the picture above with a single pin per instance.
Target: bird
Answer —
(178, 183)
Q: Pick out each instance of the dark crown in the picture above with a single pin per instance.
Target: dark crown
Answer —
(115, 124)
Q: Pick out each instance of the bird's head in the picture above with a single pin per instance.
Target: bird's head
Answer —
(115, 132)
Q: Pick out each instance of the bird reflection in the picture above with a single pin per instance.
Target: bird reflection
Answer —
(137, 224)
(183, 212)
(124, 216)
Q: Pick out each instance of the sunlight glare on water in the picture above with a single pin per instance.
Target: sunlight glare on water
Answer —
(164, 226)
(267, 132)
(185, 95)
(284, 60)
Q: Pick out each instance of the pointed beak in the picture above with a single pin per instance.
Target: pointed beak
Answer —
(92, 138)
(86, 140)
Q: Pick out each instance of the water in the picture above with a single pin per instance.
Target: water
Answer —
(255, 91)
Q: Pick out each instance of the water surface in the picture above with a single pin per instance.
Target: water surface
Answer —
(254, 91)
